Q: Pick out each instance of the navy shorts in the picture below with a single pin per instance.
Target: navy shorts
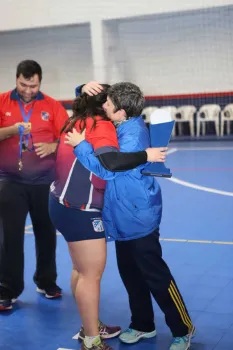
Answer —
(74, 224)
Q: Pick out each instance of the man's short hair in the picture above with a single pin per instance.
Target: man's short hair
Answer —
(127, 96)
(28, 69)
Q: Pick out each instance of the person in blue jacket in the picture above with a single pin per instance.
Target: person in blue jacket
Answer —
(132, 214)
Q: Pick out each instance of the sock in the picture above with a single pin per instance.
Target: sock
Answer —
(89, 341)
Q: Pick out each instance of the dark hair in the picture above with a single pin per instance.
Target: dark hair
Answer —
(85, 106)
(28, 69)
(127, 96)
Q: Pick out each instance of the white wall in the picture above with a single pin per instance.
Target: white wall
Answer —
(181, 53)
(64, 53)
(165, 54)
(19, 14)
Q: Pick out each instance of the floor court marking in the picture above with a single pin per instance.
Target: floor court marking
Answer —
(186, 184)
(201, 188)
(172, 150)
(203, 169)
(194, 186)
(203, 149)
(181, 240)
(197, 187)
(178, 240)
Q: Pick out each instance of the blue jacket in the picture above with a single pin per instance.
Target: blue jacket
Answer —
(132, 202)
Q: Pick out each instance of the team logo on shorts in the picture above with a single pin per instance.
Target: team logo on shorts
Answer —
(45, 116)
(98, 225)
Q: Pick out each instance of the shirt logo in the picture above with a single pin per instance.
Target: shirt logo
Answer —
(98, 225)
(8, 114)
(45, 116)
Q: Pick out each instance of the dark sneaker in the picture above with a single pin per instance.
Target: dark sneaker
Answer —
(106, 332)
(5, 304)
(5, 300)
(101, 346)
(50, 292)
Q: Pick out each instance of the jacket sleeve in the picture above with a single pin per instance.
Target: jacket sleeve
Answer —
(78, 90)
(85, 154)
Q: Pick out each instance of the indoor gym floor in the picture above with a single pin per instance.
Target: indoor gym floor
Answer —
(197, 240)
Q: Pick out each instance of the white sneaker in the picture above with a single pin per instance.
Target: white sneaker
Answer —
(130, 336)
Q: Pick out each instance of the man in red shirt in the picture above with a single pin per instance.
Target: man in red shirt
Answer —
(30, 123)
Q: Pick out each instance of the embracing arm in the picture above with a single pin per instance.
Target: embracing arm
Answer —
(87, 157)
(111, 164)
(122, 161)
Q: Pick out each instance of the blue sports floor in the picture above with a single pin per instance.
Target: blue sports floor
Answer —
(197, 240)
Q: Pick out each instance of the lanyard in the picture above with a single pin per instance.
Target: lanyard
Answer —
(21, 130)
(26, 117)
(24, 139)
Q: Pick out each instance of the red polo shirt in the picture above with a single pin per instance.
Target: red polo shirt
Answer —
(47, 118)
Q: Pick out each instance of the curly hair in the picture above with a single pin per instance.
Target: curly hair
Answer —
(85, 106)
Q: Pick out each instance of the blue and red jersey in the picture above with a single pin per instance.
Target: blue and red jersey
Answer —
(74, 185)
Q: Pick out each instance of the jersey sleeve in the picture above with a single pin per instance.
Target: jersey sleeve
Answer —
(1, 102)
(103, 137)
(60, 116)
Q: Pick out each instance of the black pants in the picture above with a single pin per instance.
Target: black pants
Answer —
(16, 201)
(144, 272)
